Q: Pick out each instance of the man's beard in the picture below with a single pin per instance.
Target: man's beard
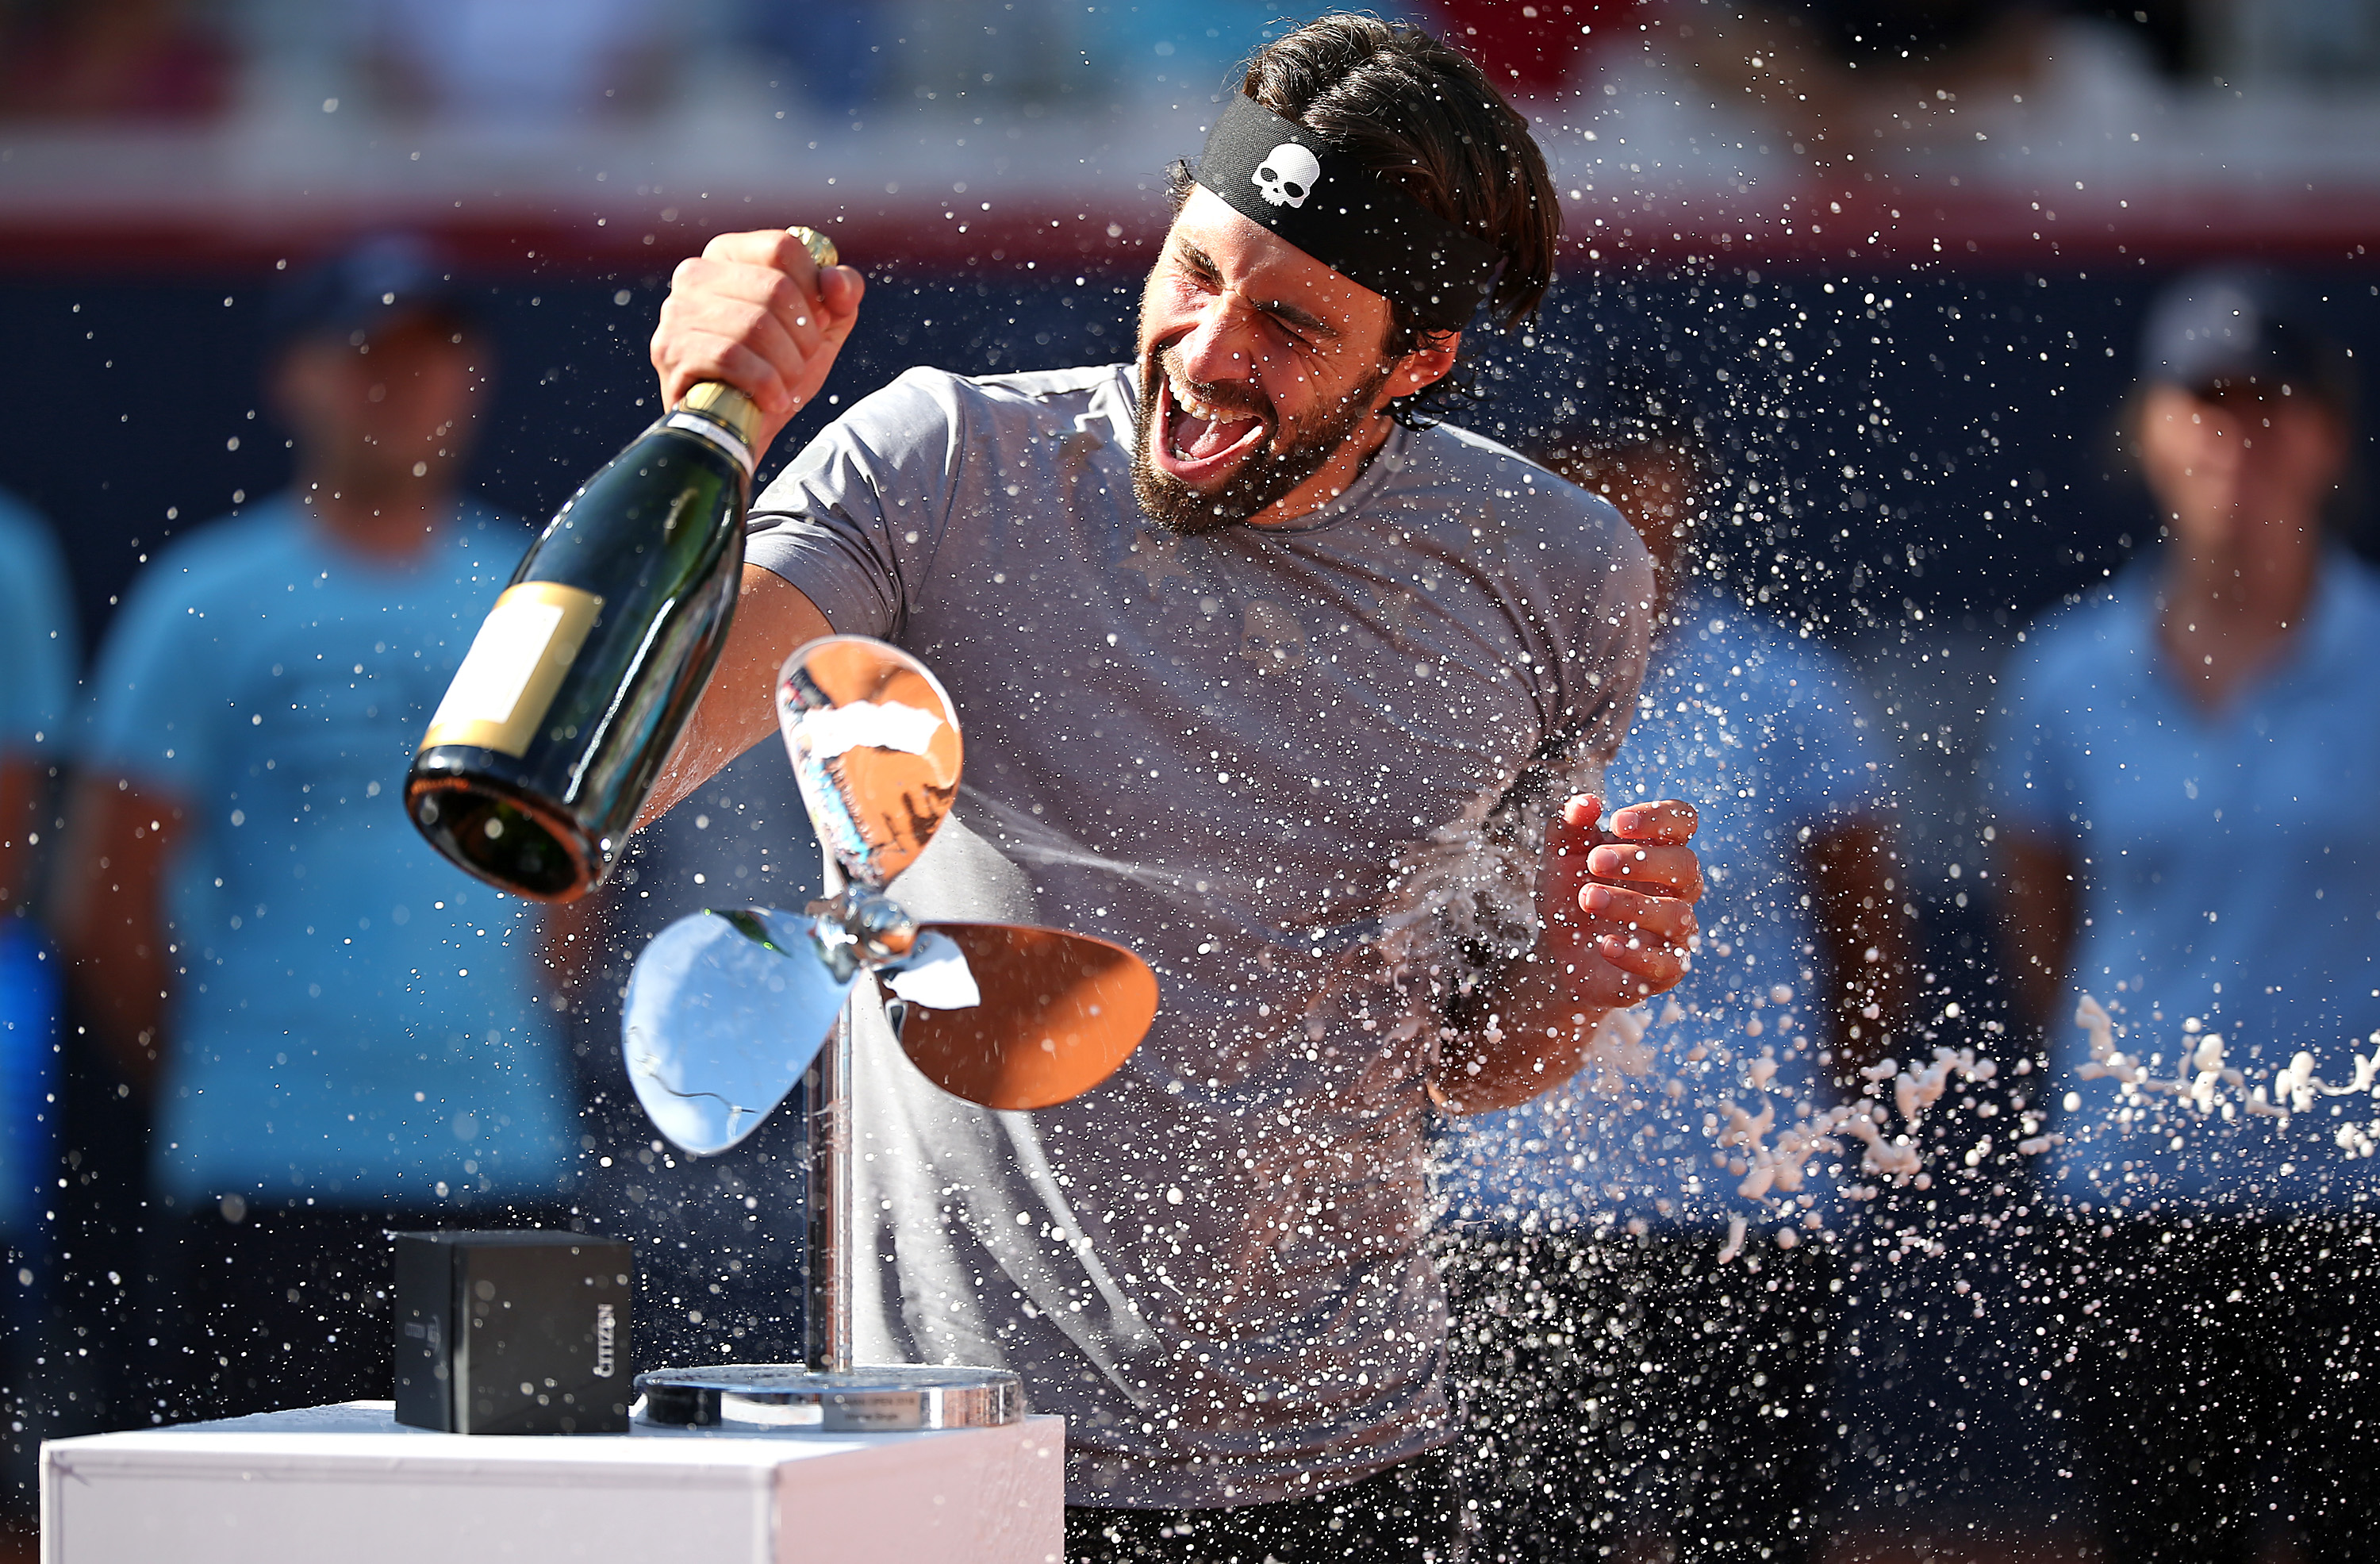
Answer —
(1262, 479)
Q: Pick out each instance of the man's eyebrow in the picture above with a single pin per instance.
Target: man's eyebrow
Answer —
(1281, 308)
(1200, 261)
(1196, 259)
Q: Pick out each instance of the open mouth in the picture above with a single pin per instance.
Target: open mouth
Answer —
(1196, 444)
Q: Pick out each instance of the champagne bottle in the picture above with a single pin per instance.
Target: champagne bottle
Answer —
(585, 672)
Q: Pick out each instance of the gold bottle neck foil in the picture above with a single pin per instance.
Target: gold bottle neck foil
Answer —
(726, 406)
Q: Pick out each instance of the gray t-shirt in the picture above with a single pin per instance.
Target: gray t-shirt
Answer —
(1270, 761)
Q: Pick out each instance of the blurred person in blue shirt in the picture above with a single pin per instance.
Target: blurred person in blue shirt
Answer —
(38, 658)
(341, 1032)
(2180, 774)
(1591, 1230)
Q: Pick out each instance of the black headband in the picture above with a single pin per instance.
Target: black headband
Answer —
(1278, 174)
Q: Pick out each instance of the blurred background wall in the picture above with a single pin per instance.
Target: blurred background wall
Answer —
(1903, 256)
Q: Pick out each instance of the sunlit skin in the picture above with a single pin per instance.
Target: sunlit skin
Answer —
(754, 311)
(2241, 476)
(1265, 331)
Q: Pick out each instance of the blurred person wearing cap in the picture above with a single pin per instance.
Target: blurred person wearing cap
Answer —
(2180, 775)
(339, 1033)
(1591, 1230)
(1300, 694)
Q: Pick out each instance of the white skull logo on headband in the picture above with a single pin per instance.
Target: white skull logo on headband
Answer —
(1287, 174)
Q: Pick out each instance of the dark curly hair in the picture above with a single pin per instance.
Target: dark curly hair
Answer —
(1421, 116)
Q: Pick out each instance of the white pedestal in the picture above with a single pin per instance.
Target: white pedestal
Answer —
(350, 1483)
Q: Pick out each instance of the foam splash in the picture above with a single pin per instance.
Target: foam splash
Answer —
(2206, 1080)
(1734, 1248)
(1770, 1169)
(1470, 888)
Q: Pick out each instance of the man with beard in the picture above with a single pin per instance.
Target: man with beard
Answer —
(1304, 698)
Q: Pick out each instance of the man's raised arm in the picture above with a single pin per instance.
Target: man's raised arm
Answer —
(738, 706)
(756, 311)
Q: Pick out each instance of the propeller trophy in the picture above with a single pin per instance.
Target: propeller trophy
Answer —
(728, 1010)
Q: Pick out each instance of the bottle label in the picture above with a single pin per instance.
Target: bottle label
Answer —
(515, 665)
(717, 433)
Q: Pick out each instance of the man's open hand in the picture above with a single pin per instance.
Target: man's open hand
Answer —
(1615, 910)
(1617, 898)
(755, 311)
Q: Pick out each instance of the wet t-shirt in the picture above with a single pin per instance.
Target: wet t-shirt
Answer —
(1258, 758)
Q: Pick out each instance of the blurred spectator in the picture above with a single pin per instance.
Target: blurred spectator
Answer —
(38, 659)
(2180, 773)
(522, 61)
(38, 656)
(341, 1032)
(110, 59)
(1589, 1230)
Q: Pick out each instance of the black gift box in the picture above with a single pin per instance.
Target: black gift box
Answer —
(513, 1332)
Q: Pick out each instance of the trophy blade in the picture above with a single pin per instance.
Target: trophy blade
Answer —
(875, 748)
(1058, 1013)
(726, 1009)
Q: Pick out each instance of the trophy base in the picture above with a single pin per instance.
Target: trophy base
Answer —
(770, 1398)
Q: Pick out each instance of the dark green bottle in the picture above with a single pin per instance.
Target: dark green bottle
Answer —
(586, 671)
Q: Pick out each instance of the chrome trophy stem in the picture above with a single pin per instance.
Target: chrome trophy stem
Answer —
(826, 1322)
(875, 749)
(831, 1394)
